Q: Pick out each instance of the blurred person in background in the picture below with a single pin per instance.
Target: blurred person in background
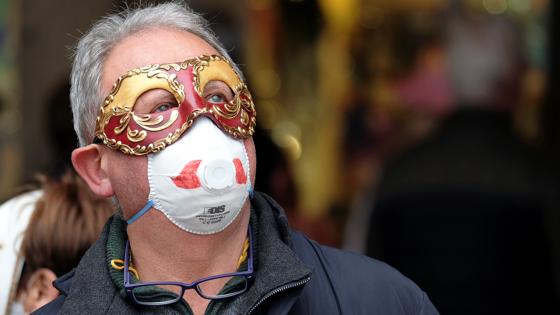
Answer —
(193, 240)
(463, 212)
(14, 217)
(66, 219)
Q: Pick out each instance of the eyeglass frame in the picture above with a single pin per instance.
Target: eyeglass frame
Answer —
(129, 287)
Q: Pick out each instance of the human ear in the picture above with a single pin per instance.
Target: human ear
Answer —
(87, 162)
(39, 290)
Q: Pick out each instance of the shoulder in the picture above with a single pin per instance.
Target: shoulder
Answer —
(52, 307)
(360, 283)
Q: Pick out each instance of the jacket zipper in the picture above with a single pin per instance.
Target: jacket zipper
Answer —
(278, 290)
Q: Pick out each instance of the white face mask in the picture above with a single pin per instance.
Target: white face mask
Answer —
(201, 181)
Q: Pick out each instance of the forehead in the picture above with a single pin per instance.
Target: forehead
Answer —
(155, 45)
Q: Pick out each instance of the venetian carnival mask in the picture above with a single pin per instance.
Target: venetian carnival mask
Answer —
(123, 125)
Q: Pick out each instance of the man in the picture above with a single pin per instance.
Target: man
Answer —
(170, 140)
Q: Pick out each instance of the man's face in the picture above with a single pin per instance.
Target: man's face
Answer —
(128, 174)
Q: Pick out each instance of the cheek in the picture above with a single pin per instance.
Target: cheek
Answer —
(128, 175)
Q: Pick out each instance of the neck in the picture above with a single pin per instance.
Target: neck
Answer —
(163, 252)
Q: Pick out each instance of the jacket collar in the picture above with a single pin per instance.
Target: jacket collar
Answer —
(277, 268)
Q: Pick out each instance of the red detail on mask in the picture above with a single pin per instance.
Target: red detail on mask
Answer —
(192, 102)
(240, 175)
(188, 178)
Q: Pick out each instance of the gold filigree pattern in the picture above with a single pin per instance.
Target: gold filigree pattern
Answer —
(239, 106)
(201, 63)
(123, 123)
(124, 110)
(136, 135)
(148, 122)
(244, 118)
(116, 105)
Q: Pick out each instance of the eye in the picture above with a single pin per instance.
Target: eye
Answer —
(155, 101)
(217, 92)
(216, 98)
(163, 107)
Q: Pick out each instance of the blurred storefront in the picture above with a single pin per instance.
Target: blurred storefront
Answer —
(341, 86)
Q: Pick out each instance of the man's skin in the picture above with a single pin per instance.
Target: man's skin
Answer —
(161, 251)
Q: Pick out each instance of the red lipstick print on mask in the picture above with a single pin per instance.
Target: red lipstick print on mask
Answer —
(188, 178)
(240, 175)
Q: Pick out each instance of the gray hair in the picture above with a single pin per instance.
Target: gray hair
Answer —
(94, 46)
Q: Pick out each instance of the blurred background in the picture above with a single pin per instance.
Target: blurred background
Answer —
(424, 133)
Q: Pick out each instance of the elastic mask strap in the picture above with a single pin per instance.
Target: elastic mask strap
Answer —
(140, 213)
(251, 192)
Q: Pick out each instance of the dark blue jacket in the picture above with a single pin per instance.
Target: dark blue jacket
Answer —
(294, 275)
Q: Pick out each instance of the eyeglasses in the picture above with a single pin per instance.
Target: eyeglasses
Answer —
(165, 293)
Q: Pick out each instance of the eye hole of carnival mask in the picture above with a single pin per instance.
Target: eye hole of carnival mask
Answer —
(217, 92)
(155, 101)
